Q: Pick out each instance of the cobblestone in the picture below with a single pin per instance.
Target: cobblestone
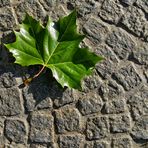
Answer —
(68, 119)
(15, 130)
(139, 130)
(128, 77)
(111, 110)
(114, 107)
(120, 124)
(95, 30)
(138, 103)
(111, 11)
(134, 21)
(10, 102)
(122, 142)
(97, 144)
(91, 103)
(41, 127)
(97, 128)
(121, 43)
(6, 19)
(71, 141)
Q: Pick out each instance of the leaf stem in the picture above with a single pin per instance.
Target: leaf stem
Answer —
(41, 70)
(27, 81)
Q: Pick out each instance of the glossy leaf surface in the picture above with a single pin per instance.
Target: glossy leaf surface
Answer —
(55, 46)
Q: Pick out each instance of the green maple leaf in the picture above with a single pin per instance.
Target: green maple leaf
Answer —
(55, 46)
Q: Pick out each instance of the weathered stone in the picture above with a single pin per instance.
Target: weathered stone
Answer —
(114, 107)
(90, 103)
(128, 2)
(138, 103)
(4, 3)
(15, 145)
(32, 7)
(143, 4)
(7, 20)
(118, 84)
(145, 32)
(41, 129)
(7, 80)
(107, 66)
(48, 4)
(2, 138)
(134, 20)
(15, 130)
(96, 144)
(120, 124)
(67, 119)
(128, 77)
(122, 143)
(95, 31)
(85, 7)
(38, 146)
(140, 55)
(38, 95)
(68, 96)
(71, 141)
(111, 11)
(45, 104)
(107, 52)
(97, 128)
(111, 90)
(59, 11)
(121, 43)
(91, 82)
(139, 130)
(10, 102)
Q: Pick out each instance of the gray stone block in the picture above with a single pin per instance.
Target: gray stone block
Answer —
(95, 31)
(122, 142)
(140, 55)
(121, 43)
(71, 141)
(111, 90)
(7, 79)
(138, 103)
(143, 4)
(15, 130)
(85, 7)
(90, 103)
(67, 119)
(4, 3)
(91, 83)
(111, 11)
(139, 130)
(38, 95)
(114, 107)
(97, 144)
(32, 7)
(120, 124)
(128, 77)
(10, 103)
(48, 4)
(97, 128)
(41, 127)
(38, 146)
(7, 21)
(134, 20)
(67, 97)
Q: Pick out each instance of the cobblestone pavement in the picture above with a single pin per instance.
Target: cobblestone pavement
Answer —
(112, 109)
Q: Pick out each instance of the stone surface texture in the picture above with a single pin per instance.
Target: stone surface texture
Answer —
(112, 109)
